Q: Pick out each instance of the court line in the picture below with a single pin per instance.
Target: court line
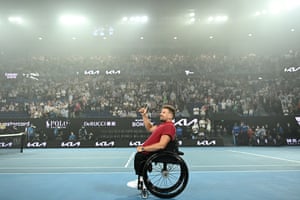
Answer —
(67, 173)
(192, 172)
(264, 156)
(129, 159)
(234, 166)
(65, 167)
(63, 158)
(247, 171)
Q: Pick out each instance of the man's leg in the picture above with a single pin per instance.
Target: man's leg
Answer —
(139, 162)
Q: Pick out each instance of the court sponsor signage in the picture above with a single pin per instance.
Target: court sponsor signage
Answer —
(135, 143)
(206, 143)
(105, 143)
(292, 69)
(11, 75)
(91, 72)
(3, 125)
(137, 123)
(104, 123)
(70, 144)
(61, 124)
(113, 72)
(186, 122)
(36, 144)
(6, 144)
(293, 141)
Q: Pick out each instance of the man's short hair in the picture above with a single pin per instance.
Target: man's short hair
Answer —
(171, 109)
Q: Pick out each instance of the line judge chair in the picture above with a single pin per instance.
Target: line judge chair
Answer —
(165, 173)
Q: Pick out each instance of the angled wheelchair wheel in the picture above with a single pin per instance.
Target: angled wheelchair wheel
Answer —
(165, 174)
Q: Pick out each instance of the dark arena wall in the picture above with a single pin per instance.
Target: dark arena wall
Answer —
(130, 132)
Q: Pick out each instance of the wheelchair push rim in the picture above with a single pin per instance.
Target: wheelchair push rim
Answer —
(165, 174)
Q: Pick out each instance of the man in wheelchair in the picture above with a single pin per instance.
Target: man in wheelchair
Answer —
(160, 136)
(162, 139)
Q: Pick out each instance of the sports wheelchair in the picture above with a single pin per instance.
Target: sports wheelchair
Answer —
(165, 174)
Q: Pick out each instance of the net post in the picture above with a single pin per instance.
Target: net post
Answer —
(22, 142)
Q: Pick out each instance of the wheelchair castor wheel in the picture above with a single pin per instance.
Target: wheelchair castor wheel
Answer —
(144, 193)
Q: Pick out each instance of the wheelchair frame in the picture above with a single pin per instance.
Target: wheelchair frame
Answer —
(165, 175)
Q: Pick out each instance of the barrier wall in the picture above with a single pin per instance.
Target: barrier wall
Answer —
(115, 132)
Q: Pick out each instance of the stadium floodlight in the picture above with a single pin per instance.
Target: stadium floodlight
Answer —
(135, 19)
(281, 6)
(276, 8)
(257, 13)
(210, 19)
(222, 18)
(192, 14)
(217, 19)
(16, 20)
(72, 20)
(125, 19)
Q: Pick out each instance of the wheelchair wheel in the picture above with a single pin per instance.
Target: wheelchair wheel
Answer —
(165, 174)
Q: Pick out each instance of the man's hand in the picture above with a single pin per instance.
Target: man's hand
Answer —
(140, 148)
(143, 111)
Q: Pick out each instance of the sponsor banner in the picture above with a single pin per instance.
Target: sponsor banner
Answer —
(111, 143)
(6, 144)
(135, 143)
(201, 143)
(36, 144)
(70, 144)
(97, 72)
(212, 142)
(99, 123)
(60, 124)
(293, 141)
(105, 143)
(291, 69)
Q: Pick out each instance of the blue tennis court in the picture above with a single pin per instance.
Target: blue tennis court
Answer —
(215, 173)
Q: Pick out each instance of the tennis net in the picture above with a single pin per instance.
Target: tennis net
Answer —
(13, 141)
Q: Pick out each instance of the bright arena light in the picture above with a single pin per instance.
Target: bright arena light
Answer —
(72, 20)
(217, 19)
(278, 7)
(16, 20)
(135, 19)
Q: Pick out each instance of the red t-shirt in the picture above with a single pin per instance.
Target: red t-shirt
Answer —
(166, 128)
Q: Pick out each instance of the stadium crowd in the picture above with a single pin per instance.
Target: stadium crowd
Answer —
(90, 86)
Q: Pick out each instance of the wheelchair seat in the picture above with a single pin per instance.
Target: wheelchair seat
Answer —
(165, 173)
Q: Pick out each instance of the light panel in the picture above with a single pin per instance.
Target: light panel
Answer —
(71, 20)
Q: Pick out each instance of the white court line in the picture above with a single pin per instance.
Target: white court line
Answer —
(64, 158)
(103, 173)
(239, 166)
(63, 173)
(247, 171)
(65, 167)
(129, 159)
(265, 156)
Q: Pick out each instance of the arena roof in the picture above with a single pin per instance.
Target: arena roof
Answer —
(203, 24)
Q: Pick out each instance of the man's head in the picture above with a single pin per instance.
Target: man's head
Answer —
(167, 113)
